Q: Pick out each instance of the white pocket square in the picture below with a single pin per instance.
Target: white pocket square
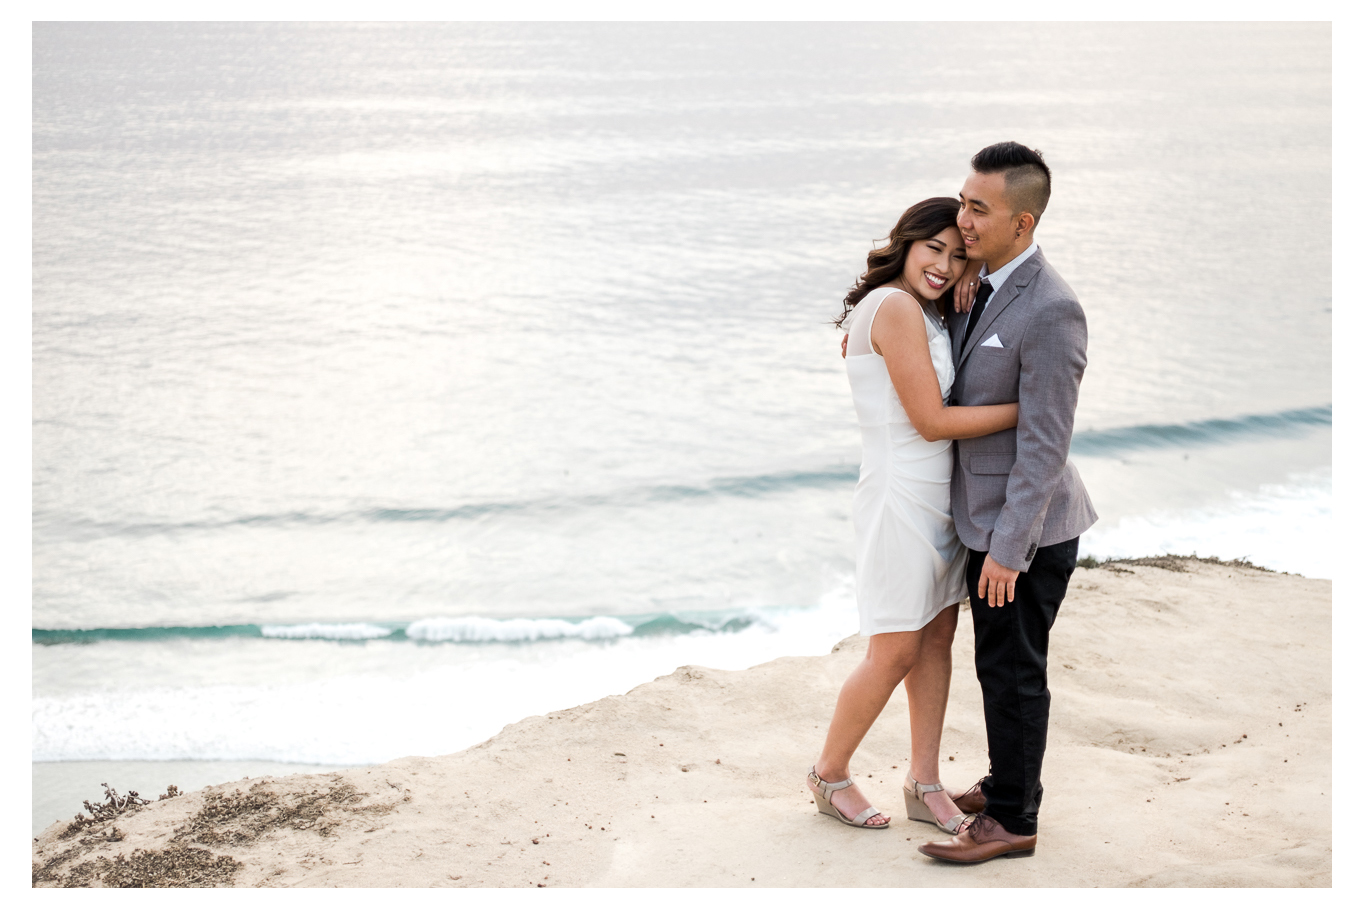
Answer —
(992, 342)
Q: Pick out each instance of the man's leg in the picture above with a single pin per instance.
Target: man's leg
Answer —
(1011, 665)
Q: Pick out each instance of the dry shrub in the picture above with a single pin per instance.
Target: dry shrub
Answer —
(177, 866)
(242, 818)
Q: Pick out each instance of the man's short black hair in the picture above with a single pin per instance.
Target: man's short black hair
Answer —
(1028, 181)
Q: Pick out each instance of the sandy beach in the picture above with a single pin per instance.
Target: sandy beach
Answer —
(1190, 745)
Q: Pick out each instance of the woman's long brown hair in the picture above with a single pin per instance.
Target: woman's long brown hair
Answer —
(920, 222)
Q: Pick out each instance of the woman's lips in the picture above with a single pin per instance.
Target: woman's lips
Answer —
(937, 282)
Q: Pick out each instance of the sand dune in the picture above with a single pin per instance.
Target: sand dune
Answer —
(1190, 745)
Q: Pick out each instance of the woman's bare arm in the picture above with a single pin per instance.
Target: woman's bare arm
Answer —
(898, 334)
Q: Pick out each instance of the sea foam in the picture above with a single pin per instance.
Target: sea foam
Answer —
(361, 718)
(1285, 527)
(480, 628)
(345, 631)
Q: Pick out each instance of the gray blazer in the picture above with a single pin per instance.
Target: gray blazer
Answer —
(1015, 491)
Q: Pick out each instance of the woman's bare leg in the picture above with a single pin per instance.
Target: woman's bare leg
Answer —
(890, 656)
(926, 686)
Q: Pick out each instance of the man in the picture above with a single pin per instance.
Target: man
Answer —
(1018, 503)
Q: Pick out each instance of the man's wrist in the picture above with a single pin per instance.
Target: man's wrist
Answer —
(1006, 562)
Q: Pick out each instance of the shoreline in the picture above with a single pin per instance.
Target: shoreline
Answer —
(1181, 690)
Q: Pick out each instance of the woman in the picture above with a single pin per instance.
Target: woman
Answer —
(910, 563)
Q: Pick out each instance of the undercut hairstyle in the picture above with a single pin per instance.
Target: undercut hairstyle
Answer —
(919, 222)
(1028, 181)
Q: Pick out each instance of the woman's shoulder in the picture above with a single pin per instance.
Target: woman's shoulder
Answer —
(888, 293)
(900, 301)
(899, 314)
(888, 289)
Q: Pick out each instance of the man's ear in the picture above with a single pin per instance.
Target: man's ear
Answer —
(1023, 223)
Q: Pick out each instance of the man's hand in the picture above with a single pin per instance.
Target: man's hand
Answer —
(997, 583)
(843, 348)
(965, 290)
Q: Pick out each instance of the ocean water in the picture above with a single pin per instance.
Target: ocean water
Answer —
(395, 382)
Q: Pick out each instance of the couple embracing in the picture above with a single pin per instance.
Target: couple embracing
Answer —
(965, 351)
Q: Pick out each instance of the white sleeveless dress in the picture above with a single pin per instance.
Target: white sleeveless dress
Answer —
(910, 561)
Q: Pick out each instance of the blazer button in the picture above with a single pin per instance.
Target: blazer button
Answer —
(952, 402)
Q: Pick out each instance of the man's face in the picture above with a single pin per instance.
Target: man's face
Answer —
(986, 218)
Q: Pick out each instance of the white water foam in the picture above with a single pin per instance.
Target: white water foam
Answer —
(481, 628)
(368, 718)
(345, 631)
(374, 717)
(1286, 527)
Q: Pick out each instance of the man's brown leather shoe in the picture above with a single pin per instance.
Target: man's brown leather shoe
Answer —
(984, 838)
(972, 800)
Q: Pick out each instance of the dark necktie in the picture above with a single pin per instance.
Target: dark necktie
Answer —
(977, 306)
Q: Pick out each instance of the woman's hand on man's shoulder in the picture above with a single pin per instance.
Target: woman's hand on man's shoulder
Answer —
(964, 292)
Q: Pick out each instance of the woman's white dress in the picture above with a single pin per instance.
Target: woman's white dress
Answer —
(910, 562)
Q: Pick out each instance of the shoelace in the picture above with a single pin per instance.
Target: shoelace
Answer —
(980, 827)
(976, 786)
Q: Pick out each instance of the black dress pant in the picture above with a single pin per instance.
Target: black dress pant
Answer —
(1011, 665)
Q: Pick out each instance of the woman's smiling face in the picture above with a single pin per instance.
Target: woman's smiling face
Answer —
(933, 265)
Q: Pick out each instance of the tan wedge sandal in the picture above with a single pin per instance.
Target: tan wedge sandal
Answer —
(822, 791)
(919, 812)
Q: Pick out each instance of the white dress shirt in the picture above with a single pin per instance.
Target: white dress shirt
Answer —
(1002, 274)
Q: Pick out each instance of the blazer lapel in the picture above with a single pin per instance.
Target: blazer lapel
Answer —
(1018, 280)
